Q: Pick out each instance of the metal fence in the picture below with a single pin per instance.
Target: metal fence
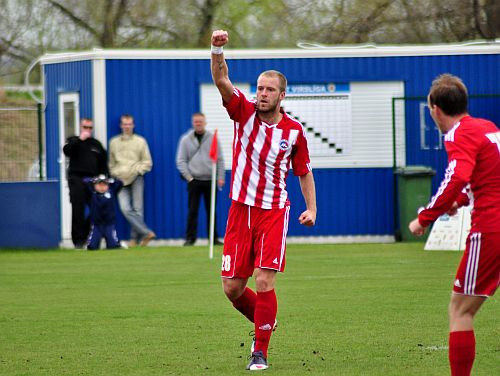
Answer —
(21, 150)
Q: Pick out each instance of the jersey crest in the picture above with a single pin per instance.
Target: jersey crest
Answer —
(284, 145)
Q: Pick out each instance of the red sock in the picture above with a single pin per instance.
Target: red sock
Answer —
(246, 304)
(462, 351)
(265, 315)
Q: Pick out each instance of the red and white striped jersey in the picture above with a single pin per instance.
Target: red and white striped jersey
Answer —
(473, 147)
(262, 154)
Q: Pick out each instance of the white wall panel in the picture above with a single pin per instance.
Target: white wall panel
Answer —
(217, 117)
(371, 104)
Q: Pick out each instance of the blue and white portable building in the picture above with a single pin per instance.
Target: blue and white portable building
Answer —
(349, 100)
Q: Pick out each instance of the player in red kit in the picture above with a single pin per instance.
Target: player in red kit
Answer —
(266, 143)
(472, 176)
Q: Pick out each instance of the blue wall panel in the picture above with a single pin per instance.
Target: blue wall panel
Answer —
(162, 94)
(30, 215)
(350, 202)
(481, 75)
(64, 78)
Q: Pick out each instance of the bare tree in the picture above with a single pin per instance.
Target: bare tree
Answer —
(487, 18)
(207, 13)
(105, 28)
(29, 28)
(14, 22)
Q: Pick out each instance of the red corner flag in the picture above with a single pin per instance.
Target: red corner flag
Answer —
(213, 148)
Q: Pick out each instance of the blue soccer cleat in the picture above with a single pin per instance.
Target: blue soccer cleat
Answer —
(257, 362)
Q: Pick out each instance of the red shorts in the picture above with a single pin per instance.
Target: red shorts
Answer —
(479, 271)
(255, 238)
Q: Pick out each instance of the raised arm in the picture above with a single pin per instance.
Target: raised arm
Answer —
(220, 74)
(70, 146)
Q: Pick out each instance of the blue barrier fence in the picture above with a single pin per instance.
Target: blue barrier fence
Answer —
(30, 215)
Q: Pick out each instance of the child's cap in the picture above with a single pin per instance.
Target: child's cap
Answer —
(101, 179)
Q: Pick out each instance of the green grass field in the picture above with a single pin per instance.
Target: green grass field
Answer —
(369, 309)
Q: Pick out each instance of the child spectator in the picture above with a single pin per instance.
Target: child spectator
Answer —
(102, 211)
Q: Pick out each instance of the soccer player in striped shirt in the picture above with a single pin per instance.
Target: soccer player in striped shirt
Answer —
(266, 142)
(472, 176)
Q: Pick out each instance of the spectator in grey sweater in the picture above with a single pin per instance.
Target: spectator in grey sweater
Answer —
(195, 166)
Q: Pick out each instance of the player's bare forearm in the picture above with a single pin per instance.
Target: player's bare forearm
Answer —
(221, 78)
(220, 72)
(308, 190)
(308, 217)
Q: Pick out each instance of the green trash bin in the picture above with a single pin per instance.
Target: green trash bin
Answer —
(414, 191)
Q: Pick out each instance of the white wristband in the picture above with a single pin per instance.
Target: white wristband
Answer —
(217, 50)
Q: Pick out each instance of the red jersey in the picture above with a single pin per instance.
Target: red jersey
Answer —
(473, 147)
(262, 154)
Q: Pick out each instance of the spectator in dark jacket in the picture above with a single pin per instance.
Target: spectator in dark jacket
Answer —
(87, 158)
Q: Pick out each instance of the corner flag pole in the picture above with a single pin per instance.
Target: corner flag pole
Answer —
(213, 156)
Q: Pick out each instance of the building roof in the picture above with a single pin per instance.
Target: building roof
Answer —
(307, 50)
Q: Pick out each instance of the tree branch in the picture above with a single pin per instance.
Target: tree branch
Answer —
(9, 48)
(148, 27)
(208, 14)
(120, 12)
(477, 22)
(78, 21)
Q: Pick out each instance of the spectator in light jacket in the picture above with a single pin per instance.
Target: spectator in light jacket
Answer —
(129, 161)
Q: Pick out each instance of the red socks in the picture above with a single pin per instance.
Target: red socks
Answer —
(261, 309)
(265, 315)
(246, 304)
(462, 351)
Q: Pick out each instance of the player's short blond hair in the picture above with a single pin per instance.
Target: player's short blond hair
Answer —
(275, 73)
